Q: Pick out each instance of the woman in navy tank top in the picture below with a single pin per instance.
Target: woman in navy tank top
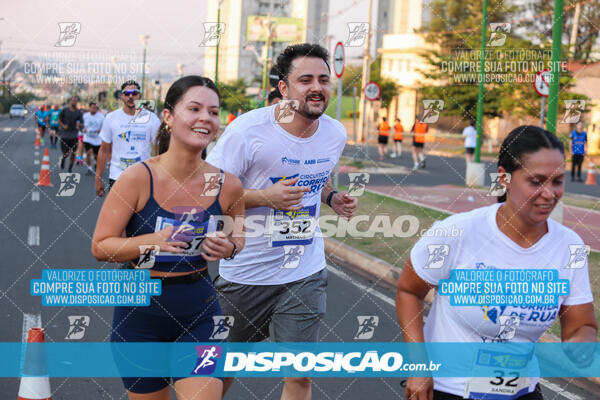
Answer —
(174, 201)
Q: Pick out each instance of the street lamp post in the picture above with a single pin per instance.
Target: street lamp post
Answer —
(218, 40)
(144, 39)
(554, 66)
(265, 82)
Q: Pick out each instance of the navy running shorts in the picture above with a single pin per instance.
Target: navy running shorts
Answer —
(183, 313)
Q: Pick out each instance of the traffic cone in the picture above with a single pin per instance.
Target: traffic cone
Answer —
(45, 171)
(591, 177)
(35, 384)
(38, 141)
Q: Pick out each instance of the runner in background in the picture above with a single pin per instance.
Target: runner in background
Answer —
(382, 140)
(92, 124)
(274, 97)
(54, 125)
(470, 134)
(70, 120)
(42, 121)
(578, 147)
(230, 117)
(514, 234)
(124, 141)
(398, 130)
(419, 130)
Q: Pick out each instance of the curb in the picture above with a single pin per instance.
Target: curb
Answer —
(382, 272)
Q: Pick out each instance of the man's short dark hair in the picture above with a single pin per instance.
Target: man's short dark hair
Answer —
(290, 53)
(92, 104)
(275, 94)
(129, 83)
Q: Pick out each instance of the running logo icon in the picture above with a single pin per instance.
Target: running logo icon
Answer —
(212, 183)
(357, 34)
(431, 110)
(207, 359)
(68, 33)
(287, 111)
(358, 183)
(291, 256)
(366, 326)
(437, 255)
(148, 254)
(498, 185)
(143, 108)
(77, 325)
(223, 323)
(500, 31)
(212, 33)
(508, 326)
(125, 136)
(578, 257)
(573, 110)
(68, 183)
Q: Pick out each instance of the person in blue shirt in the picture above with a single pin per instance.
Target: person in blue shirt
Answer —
(42, 121)
(578, 147)
(54, 113)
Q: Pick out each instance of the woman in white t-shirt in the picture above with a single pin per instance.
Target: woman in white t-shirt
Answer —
(513, 234)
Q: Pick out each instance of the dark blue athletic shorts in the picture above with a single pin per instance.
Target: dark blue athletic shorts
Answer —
(183, 313)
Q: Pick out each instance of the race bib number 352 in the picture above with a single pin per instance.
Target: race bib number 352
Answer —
(292, 227)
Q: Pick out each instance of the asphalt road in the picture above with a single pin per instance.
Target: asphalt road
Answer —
(44, 231)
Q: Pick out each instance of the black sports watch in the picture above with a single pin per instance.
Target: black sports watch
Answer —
(233, 253)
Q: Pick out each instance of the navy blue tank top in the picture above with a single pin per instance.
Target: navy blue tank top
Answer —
(195, 221)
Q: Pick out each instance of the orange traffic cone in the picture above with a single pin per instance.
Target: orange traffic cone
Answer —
(591, 177)
(38, 141)
(45, 171)
(35, 384)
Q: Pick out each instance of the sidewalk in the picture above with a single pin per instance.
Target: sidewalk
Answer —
(455, 199)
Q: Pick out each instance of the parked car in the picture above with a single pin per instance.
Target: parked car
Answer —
(17, 110)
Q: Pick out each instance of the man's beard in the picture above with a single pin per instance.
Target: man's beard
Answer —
(311, 112)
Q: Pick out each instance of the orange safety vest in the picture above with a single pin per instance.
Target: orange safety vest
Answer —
(420, 131)
(384, 129)
(230, 118)
(398, 131)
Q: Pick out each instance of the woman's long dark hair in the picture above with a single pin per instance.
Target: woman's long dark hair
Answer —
(524, 140)
(174, 94)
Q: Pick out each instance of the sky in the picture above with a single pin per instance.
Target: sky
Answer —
(114, 26)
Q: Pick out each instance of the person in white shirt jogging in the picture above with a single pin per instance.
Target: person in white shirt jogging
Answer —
(284, 155)
(512, 235)
(470, 134)
(92, 124)
(125, 141)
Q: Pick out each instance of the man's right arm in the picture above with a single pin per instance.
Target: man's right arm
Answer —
(103, 157)
(282, 195)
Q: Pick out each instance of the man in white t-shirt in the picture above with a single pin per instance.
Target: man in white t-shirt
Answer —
(470, 134)
(127, 137)
(92, 124)
(284, 155)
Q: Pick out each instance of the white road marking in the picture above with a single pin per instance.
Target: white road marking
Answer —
(547, 384)
(36, 162)
(36, 176)
(362, 287)
(558, 390)
(36, 153)
(33, 236)
(35, 196)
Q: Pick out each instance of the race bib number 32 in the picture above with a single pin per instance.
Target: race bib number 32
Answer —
(506, 385)
(292, 227)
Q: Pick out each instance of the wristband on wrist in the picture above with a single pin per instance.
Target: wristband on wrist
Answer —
(330, 196)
